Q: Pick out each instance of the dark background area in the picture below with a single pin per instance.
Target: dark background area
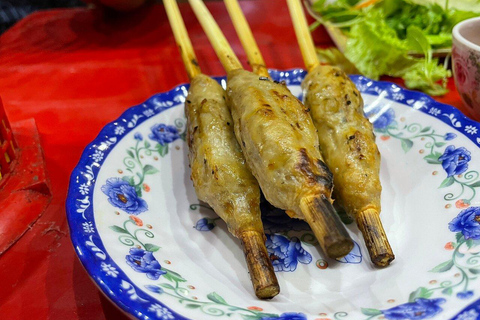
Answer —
(13, 10)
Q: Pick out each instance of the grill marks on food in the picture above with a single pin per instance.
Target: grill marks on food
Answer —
(267, 110)
(315, 171)
(279, 95)
(356, 143)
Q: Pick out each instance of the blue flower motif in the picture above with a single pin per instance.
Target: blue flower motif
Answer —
(138, 136)
(420, 309)
(455, 161)
(381, 117)
(122, 195)
(465, 294)
(288, 316)
(286, 253)
(354, 256)
(163, 133)
(449, 136)
(153, 288)
(144, 262)
(205, 224)
(467, 222)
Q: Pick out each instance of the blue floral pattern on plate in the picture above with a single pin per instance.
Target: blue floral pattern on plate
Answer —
(381, 116)
(455, 160)
(123, 196)
(288, 316)
(355, 256)
(420, 309)
(163, 133)
(144, 262)
(468, 223)
(286, 253)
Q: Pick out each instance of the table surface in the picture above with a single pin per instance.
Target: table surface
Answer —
(76, 70)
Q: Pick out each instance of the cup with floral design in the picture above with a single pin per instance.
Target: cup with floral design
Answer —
(466, 62)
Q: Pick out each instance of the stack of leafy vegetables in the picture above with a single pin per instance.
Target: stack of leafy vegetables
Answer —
(381, 37)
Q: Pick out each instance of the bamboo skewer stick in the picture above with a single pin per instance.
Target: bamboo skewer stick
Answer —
(244, 32)
(220, 44)
(368, 219)
(302, 32)
(327, 226)
(182, 39)
(318, 211)
(262, 275)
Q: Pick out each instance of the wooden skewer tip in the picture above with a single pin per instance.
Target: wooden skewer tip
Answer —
(370, 225)
(327, 226)
(263, 277)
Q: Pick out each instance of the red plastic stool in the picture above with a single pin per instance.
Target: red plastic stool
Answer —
(7, 143)
(24, 185)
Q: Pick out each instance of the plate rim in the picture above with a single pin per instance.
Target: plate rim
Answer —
(414, 99)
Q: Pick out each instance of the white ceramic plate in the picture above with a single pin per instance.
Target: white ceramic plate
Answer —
(158, 253)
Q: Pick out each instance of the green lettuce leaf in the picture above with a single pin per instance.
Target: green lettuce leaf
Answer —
(381, 37)
(375, 50)
(456, 16)
(425, 77)
(441, 40)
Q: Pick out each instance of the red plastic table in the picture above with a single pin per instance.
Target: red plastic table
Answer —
(76, 70)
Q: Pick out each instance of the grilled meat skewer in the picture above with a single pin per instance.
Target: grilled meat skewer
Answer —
(348, 145)
(346, 140)
(280, 144)
(219, 173)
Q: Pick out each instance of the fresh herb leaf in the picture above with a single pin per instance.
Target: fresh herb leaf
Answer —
(418, 42)
(425, 77)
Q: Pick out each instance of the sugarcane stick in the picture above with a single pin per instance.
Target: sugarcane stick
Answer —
(221, 46)
(302, 32)
(244, 32)
(209, 121)
(182, 39)
(280, 145)
(346, 140)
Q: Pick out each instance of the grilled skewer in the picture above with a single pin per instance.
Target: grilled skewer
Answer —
(346, 141)
(219, 173)
(280, 144)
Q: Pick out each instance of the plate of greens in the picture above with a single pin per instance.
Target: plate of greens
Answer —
(399, 38)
